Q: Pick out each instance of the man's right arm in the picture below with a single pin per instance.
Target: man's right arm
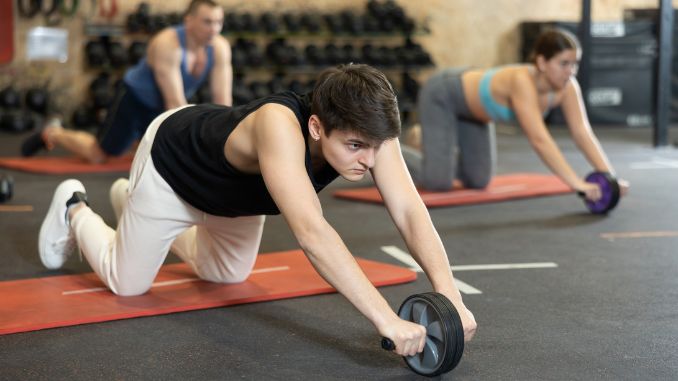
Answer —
(221, 77)
(164, 57)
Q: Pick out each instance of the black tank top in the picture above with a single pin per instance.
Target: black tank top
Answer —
(188, 152)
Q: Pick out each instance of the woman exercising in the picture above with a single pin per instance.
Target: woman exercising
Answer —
(457, 107)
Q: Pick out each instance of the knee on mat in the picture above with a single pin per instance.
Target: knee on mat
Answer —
(234, 278)
(477, 182)
(130, 290)
(226, 277)
(437, 186)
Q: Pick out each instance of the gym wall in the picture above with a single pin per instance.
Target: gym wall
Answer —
(462, 33)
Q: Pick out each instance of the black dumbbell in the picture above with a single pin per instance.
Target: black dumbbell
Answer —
(117, 56)
(292, 22)
(334, 23)
(100, 90)
(276, 84)
(232, 23)
(133, 23)
(241, 92)
(136, 52)
(297, 86)
(445, 333)
(174, 18)
(371, 54)
(10, 98)
(311, 22)
(334, 54)
(37, 99)
(352, 23)
(410, 86)
(315, 55)
(83, 117)
(96, 53)
(6, 187)
(259, 89)
(610, 192)
(17, 121)
(351, 53)
(249, 23)
(160, 21)
(269, 22)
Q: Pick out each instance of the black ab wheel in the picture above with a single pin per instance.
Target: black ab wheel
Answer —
(444, 333)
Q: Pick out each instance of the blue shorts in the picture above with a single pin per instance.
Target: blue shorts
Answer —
(126, 122)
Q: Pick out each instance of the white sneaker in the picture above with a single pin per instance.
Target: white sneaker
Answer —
(118, 195)
(57, 242)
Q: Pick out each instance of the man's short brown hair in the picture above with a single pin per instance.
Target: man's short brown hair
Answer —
(357, 98)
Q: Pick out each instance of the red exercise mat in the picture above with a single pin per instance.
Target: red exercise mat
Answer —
(57, 165)
(60, 301)
(501, 188)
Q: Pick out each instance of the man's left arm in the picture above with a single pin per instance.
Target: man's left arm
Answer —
(414, 223)
(221, 76)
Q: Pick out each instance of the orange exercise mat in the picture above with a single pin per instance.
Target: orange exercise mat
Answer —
(60, 301)
(58, 165)
(501, 188)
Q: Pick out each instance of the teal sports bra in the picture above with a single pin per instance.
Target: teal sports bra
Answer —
(494, 110)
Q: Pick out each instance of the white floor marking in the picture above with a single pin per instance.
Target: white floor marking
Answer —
(402, 256)
(613, 236)
(655, 163)
(464, 287)
(173, 282)
(505, 266)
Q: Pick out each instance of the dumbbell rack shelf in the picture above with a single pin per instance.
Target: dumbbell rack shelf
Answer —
(269, 53)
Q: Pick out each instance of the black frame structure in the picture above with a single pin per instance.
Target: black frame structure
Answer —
(663, 77)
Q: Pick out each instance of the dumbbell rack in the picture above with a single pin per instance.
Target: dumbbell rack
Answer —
(270, 53)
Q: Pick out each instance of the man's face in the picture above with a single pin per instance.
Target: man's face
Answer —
(349, 154)
(205, 23)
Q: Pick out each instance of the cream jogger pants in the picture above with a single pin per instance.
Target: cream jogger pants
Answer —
(155, 219)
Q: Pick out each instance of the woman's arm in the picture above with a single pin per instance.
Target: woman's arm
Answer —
(525, 102)
(414, 223)
(580, 128)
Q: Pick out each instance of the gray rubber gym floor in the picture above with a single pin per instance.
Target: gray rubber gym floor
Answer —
(608, 311)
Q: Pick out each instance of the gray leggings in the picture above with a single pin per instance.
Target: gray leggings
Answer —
(453, 144)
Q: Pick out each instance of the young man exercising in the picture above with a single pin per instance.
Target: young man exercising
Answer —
(204, 177)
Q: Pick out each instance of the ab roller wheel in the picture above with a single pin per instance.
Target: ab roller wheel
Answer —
(444, 333)
(609, 188)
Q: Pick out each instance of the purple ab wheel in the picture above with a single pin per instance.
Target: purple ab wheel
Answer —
(609, 189)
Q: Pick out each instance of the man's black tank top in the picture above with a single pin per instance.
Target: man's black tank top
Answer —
(188, 152)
